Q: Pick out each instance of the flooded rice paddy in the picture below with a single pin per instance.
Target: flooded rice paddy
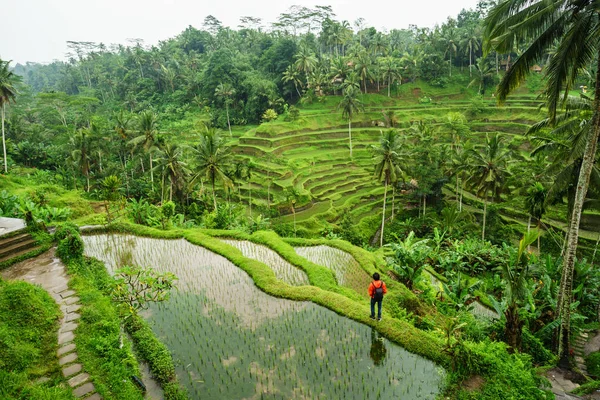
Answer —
(232, 341)
(347, 270)
(283, 270)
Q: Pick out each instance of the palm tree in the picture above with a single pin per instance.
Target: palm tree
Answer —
(565, 144)
(350, 105)
(363, 68)
(387, 165)
(489, 172)
(390, 71)
(305, 61)
(81, 153)
(147, 138)
(8, 92)
(535, 202)
(472, 41)
(171, 165)
(225, 91)
(291, 75)
(573, 24)
(484, 73)
(212, 158)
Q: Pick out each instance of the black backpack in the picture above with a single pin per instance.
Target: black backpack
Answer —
(378, 295)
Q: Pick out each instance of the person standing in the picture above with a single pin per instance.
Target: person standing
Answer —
(376, 290)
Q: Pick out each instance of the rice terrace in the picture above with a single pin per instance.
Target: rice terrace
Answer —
(306, 208)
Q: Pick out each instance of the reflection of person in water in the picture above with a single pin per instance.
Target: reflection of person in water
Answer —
(378, 350)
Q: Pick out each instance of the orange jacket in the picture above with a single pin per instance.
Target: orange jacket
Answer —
(376, 284)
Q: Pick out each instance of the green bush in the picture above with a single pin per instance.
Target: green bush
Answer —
(28, 342)
(592, 362)
(71, 247)
(65, 229)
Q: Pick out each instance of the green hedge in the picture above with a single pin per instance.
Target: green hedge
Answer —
(158, 357)
(28, 343)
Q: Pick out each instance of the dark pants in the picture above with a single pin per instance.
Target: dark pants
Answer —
(373, 301)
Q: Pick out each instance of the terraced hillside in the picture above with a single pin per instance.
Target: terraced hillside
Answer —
(305, 165)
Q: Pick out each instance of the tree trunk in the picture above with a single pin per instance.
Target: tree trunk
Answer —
(214, 195)
(539, 227)
(4, 140)
(470, 58)
(566, 287)
(151, 172)
(389, 84)
(424, 204)
(383, 215)
(513, 328)
(250, 197)
(484, 217)
(528, 229)
(228, 124)
(393, 200)
(350, 135)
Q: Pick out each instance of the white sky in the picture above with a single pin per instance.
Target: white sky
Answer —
(37, 30)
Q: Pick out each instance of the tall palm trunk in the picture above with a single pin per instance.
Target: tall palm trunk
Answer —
(389, 84)
(566, 284)
(383, 214)
(228, 123)
(250, 197)
(350, 134)
(213, 193)
(3, 139)
(484, 217)
(151, 172)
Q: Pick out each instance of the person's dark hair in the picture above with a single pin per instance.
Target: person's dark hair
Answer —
(376, 276)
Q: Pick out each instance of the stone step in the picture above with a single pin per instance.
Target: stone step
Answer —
(71, 370)
(84, 389)
(66, 349)
(24, 251)
(79, 379)
(95, 396)
(16, 247)
(14, 239)
(69, 358)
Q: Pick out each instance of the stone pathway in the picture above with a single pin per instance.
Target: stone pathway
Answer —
(49, 272)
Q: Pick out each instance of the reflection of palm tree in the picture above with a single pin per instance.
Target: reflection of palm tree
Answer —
(378, 349)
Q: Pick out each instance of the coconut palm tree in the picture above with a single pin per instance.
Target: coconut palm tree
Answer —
(489, 171)
(390, 71)
(305, 62)
(147, 137)
(291, 75)
(535, 202)
(212, 157)
(574, 25)
(8, 93)
(169, 162)
(388, 157)
(350, 105)
(226, 92)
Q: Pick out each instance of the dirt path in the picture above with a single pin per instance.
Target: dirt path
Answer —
(49, 272)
